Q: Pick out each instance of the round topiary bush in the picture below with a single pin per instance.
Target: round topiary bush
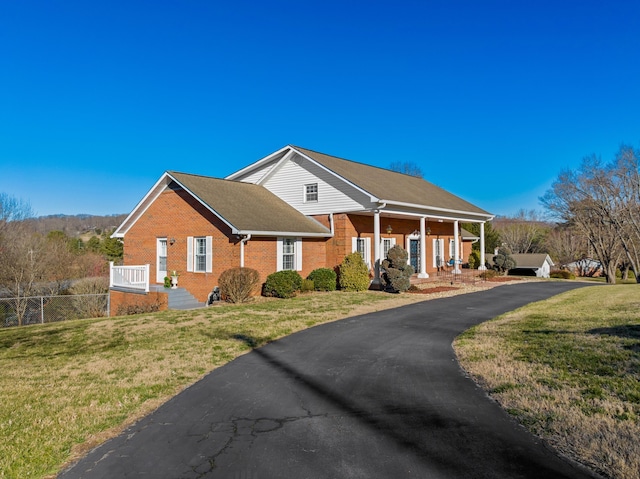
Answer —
(397, 271)
(238, 284)
(324, 279)
(354, 273)
(282, 284)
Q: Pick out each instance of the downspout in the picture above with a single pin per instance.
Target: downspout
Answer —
(331, 225)
(242, 243)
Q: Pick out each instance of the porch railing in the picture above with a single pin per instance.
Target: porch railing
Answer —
(129, 277)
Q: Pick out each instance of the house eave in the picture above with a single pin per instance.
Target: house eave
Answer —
(481, 216)
(282, 233)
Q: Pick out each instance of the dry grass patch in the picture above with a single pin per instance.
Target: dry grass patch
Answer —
(569, 370)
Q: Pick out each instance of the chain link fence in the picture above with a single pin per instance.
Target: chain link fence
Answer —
(50, 309)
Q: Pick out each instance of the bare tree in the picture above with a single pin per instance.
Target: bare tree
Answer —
(407, 167)
(522, 233)
(565, 244)
(578, 197)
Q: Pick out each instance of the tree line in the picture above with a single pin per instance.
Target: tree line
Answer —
(36, 262)
(592, 219)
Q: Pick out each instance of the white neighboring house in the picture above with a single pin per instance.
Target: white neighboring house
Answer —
(539, 263)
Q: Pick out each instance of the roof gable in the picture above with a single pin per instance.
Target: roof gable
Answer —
(379, 184)
(245, 207)
(391, 186)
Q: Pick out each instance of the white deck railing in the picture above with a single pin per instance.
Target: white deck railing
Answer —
(130, 277)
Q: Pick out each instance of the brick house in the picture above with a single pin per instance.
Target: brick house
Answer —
(294, 209)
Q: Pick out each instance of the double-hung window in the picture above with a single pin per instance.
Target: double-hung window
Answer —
(199, 254)
(311, 193)
(289, 254)
(363, 247)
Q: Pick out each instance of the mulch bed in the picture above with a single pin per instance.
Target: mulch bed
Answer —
(502, 279)
(436, 289)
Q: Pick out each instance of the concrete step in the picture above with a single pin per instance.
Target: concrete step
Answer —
(179, 298)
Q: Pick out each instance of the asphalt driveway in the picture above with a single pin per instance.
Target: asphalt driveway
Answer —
(375, 396)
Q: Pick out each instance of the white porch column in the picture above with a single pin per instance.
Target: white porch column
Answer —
(456, 248)
(423, 250)
(482, 266)
(376, 248)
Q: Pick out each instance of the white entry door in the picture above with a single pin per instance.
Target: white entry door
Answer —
(161, 263)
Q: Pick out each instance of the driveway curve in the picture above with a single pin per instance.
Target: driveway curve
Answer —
(374, 396)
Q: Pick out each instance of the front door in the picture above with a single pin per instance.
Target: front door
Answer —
(414, 254)
(161, 263)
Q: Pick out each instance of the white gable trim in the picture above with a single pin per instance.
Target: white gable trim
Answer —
(255, 165)
(273, 170)
(144, 204)
(373, 199)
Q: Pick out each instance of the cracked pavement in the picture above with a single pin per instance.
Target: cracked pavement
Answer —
(374, 396)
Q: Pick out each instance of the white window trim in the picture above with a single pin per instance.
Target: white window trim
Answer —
(435, 250)
(305, 194)
(367, 248)
(297, 245)
(408, 247)
(191, 241)
(383, 256)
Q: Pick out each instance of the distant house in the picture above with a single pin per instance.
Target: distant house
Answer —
(586, 267)
(294, 209)
(532, 264)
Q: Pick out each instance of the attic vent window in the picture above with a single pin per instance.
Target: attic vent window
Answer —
(311, 193)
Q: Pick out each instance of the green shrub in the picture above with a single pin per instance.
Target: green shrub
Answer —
(474, 260)
(283, 284)
(562, 274)
(488, 274)
(307, 285)
(167, 282)
(503, 261)
(354, 273)
(324, 279)
(397, 271)
(237, 285)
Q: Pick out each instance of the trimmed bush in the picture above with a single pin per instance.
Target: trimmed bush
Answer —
(562, 274)
(283, 284)
(237, 285)
(474, 260)
(397, 272)
(307, 285)
(324, 279)
(488, 274)
(354, 273)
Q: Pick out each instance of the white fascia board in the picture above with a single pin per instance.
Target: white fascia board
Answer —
(255, 165)
(432, 216)
(284, 233)
(233, 228)
(373, 199)
(272, 171)
(487, 217)
(142, 206)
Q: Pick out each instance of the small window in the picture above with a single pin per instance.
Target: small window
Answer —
(363, 247)
(288, 254)
(387, 244)
(311, 193)
(199, 254)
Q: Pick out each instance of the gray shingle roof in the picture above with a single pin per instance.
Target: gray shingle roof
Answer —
(248, 207)
(392, 186)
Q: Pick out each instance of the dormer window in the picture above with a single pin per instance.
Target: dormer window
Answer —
(311, 193)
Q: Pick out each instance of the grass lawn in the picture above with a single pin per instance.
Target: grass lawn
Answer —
(569, 370)
(66, 387)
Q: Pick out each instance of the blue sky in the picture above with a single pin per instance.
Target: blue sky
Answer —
(491, 99)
